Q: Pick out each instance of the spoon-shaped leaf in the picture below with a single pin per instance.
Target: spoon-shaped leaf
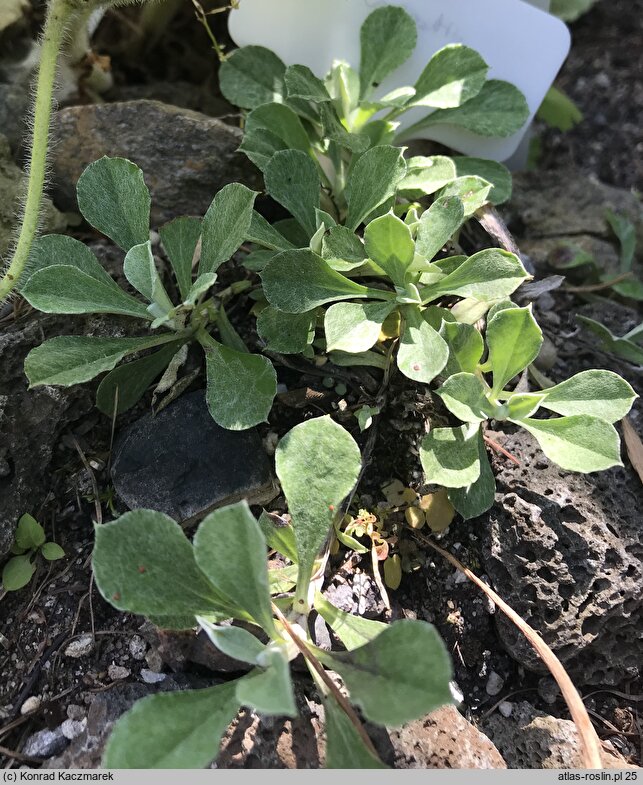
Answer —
(450, 456)
(438, 225)
(603, 394)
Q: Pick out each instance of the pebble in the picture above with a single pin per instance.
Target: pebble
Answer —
(80, 647)
(548, 690)
(31, 704)
(495, 683)
(154, 660)
(118, 672)
(76, 712)
(45, 743)
(72, 729)
(506, 709)
(137, 647)
(149, 677)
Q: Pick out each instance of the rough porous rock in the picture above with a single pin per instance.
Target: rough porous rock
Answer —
(530, 739)
(182, 463)
(31, 422)
(12, 188)
(565, 551)
(186, 156)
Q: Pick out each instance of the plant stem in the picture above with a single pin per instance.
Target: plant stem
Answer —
(58, 17)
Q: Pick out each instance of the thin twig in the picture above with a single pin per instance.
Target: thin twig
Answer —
(328, 682)
(92, 478)
(590, 743)
(598, 287)
(502, 450)
(19, 756)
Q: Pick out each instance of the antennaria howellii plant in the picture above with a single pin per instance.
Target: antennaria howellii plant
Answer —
(144, 564)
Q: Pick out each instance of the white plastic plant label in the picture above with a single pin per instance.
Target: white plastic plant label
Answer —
(521, 43)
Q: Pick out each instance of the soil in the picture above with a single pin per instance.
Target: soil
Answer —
(62, 606)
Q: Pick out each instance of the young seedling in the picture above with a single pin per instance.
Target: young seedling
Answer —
(582, 439)
(144, 564)
(67, 278)
(304, 132)
(29, 545)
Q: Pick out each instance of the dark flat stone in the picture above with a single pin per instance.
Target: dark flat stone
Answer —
(182, 463)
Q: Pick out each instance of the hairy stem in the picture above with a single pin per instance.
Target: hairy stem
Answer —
(58, 17)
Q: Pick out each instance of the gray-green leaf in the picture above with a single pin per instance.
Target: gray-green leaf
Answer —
(179, 730)
(225, 225)
(252, 76)
(602, 394)
(241, 387)
(355, 327)
(474, 192)
(438, 225)
(465, 395)
(388, 38)
(401, 675)
(450, 456)
(17, 573)
(113, 198)
(345, 748)
(487, 275)
(301, 82)
(453, 76)
(353, 631)
(318, 463)
(231, 552)
(143, 563)
(180, 238)
(269, 690)
(29, 533)
(292, 180)
(423, 352)
(475, 499)
(426, 175)
(287, 333)
(281, 121)
(580, 443)
(389, 243)
(373, 179)
(491, 171)
(465, 347)
(514, 340)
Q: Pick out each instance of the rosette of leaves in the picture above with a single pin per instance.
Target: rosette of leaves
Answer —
(143, 563)
(337, 120)
(398, 279)
(66, 278)
(582, 438)
(30, 543)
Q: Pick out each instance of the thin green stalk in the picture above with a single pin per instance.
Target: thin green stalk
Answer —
(58, 17)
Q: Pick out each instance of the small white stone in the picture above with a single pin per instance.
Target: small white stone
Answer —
(31, 704)
(495, 683)
(154, 661)
(137, 647)
(72, 729)
(118, 672)
(76, 712)
(149, 677)
(506, 708)
(80, 647)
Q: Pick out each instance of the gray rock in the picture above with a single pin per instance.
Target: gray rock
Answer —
(495, 683)
(11, 194)
(183, 464)
(530, 739)
(45, 743)
(80, 647)
(548, 690)
(137, 647)
(14, 103)
(72, 729)
(565, 551)
(150, 677)
(186, 156)
(31, 421)
(118, 672)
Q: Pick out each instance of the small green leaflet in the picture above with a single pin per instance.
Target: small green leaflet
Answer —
(17, 573)
(343, 249)
(423, 353)
(58, 249)
(355, 327)
(280, 536)
(486, 276)
(301, 82)
(622, 347)
(113, 198)
(491, 171)
(241, 387)
(225, 225)
(353, 631)
(523, 405)
(269, 690)
(473, 192)
(140, 270)
(450, 456)
(281, 121)
(438, 225)
(51, 551)
(264, 234)
(465, 395)
(426, 175)
(29, 533)
(179, 730)
(389, 243)
(466, 347)
(345, 749)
